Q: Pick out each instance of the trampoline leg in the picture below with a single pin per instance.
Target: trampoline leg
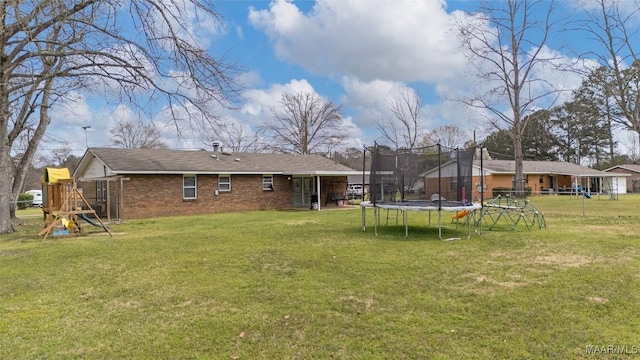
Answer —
(376, 220)
(405, 219)
(440, 225)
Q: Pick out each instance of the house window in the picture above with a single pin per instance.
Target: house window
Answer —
(189, 187)
(224, 182)
(267, 182)
(101, 191)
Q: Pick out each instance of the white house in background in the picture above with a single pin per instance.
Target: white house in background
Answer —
(629, 178)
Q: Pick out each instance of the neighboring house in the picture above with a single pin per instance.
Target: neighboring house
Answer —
(632, 174)
(140, 183)
(544, 177)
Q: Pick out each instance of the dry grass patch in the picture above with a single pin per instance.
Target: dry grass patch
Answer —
(597, 299)
(566, 260)
(360, 305)
(301, 222)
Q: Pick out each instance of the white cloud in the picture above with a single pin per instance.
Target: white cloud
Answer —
(376, 48)
(259, 102)
(68, 116)
(389, 40)
(191, 24)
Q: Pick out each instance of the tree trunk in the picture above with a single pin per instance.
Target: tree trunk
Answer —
(6, 197)
(518, 156)
(6, 165)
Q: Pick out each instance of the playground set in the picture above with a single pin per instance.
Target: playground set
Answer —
(512, 212)
(63, 205)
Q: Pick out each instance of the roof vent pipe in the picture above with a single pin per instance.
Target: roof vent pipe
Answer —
(216, 146)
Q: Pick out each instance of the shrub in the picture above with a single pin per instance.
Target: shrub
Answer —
(24, 201)
(502, 191)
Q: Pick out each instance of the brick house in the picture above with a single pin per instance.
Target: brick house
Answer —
(542, 177)
(140, 183)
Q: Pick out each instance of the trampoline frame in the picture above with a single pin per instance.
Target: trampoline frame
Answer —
(405, 207)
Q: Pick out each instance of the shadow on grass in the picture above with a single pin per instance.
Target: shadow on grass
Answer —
(419, 233)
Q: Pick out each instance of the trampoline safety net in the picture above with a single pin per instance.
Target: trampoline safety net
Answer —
(435, 173)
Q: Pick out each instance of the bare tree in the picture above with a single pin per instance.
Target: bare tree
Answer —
(132, 135)
(51, 48)
(615, 31)
(305, 124)
(632, 140)
(403, 129)
(450, 136)
(505, 42)
(233, 136)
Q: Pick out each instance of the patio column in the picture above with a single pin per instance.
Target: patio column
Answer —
(319, 197)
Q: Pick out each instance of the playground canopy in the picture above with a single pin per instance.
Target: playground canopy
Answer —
(54, 175)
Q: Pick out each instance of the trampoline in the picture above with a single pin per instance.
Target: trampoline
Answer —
(433, 178)
(419, 205)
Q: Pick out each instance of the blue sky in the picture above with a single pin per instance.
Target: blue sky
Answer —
(354, 53)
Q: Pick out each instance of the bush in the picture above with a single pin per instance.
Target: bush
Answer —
(24, 201)
(502, 191)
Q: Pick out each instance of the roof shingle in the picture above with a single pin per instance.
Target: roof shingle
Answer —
(123, 161)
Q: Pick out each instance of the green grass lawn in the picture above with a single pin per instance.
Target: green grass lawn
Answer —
(312, 285)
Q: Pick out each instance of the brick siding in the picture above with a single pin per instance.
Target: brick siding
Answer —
(148, 196)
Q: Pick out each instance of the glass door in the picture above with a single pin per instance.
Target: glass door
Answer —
(302, 189)
(307, 187)
(297, 192)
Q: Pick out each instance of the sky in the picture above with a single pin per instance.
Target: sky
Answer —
(356, 54)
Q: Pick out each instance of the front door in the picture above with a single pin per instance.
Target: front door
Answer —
(302, 189)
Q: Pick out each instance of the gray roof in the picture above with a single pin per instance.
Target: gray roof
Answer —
(628, 167)
(164, 161)
(541, 167)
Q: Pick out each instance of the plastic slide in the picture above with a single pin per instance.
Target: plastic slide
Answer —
(85, 218)
(460, 214)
